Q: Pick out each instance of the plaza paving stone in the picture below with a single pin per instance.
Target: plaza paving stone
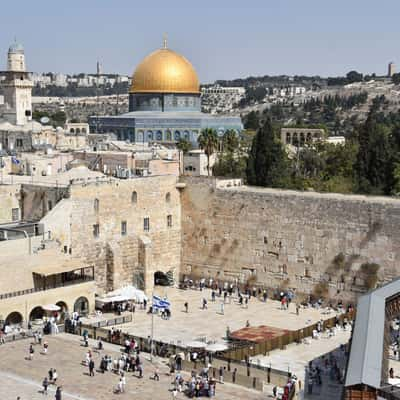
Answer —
(210, 323)
(21, 377)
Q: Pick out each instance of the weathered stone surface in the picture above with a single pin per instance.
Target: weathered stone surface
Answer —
(286, 237)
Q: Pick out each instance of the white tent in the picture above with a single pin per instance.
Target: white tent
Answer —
(51, 307)
(129, 292)
(216, 347)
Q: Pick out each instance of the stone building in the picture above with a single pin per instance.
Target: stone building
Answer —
(299, 137)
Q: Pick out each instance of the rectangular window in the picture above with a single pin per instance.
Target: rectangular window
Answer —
(49, 205)
(19, 143)
(15, 214)
(146, 224)
(123, 228)
(96, 230)
(169, 221)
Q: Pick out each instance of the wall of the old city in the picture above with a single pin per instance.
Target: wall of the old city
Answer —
(289, 239)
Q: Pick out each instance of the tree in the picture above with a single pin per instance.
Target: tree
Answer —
(230, 141)
(267, 164)
(396, 78)
(251, 121)
(184, 145)
(372, 167)
(354, 76)
(208, 141)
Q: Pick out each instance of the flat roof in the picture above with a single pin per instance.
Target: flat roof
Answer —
(368, 340)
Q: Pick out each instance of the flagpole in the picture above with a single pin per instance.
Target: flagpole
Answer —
(152, 327)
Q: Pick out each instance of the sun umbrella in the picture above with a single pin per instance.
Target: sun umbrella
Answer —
(196, 344)
(216, 347)
(51, 307)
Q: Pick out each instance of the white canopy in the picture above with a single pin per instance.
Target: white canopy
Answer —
(112, 299)
(51, 307)
(216, 347)
(129, 292)
(196, 344)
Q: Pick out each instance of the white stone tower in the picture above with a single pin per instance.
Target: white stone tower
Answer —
(17, 88)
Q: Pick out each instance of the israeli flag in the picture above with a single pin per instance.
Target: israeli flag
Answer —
(158, 302)
(15, 160)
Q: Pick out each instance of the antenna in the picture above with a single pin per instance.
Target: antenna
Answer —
(165, 39)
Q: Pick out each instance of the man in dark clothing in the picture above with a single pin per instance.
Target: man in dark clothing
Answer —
(186, 307)
(91, 368)
(58, 393)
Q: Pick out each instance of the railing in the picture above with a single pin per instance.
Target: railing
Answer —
(40, 289)
(248, 349)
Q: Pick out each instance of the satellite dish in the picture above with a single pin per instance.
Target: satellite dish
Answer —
(44, 120)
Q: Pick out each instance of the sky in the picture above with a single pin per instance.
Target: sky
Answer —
(224, 39)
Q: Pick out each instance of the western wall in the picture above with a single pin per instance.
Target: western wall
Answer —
(326, 244)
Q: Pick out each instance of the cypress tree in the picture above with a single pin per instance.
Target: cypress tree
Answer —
(267, 164)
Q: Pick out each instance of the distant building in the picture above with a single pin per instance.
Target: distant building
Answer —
(195, 163)
(298, 137)
(17, 88)
(391, 69)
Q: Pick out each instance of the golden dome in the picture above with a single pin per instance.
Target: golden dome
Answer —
(165, 71)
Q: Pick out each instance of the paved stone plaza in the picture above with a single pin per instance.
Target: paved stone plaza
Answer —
(297, 356)
(210, 323)
(21, 377)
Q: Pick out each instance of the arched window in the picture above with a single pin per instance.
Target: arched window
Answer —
(81, 305)
(149, 135)
(96, 205)
(78, 130)
(177, 135)
(159, 135)
(168, 197)
(83, 130)
(72, 130)
(168, 135)
(134, 198)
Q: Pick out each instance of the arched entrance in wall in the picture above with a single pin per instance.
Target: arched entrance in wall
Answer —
(14, 318)
(82, 306)
(163, 278)
(64, 310)
(36, 313)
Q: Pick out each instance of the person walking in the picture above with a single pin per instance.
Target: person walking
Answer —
(222, 307)
(204, 304)
(91, 367)
(58, 395)
(45, 385)
(221, 374)
(45, 347)
(297, 309)
(55, 376)
(186, 306)
(31, 351)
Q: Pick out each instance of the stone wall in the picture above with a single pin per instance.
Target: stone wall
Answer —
(132, 258)
(308, 241)
(10, 198)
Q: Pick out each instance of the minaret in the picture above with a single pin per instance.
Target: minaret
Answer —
(17, 88)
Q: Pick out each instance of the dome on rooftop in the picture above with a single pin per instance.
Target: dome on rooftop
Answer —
(165, 71)
(16, 48)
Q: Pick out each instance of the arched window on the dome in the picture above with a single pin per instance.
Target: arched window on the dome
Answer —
(168, 197)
